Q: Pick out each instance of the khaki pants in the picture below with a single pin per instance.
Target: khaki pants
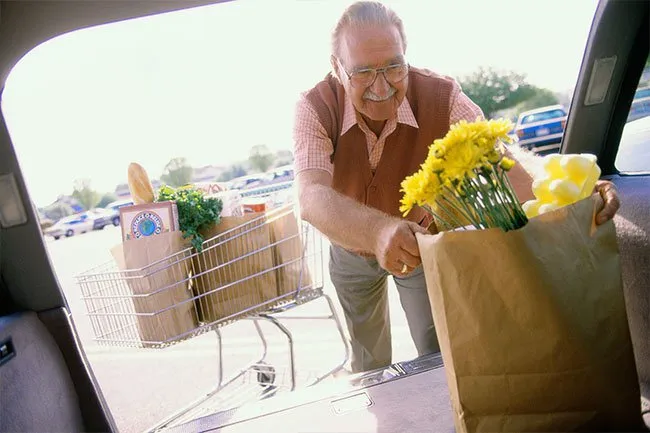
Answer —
(361, 287)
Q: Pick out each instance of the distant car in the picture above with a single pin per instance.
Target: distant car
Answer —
(102, 217)
(282, 174)
(113, 210)
(70, 226)
(541, 130)
(250, 181)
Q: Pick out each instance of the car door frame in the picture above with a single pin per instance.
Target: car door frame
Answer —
(620, 28)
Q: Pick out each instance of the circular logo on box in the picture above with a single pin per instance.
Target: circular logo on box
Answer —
(145, 224)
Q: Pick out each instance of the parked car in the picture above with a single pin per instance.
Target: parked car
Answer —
(113, 210)
(250, 181)
(102, 217)
(70, 226)
(284, 173)
(541, 129)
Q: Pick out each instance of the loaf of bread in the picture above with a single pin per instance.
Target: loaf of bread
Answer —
(140, 185)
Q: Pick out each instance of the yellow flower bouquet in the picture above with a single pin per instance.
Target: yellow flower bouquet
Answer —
(528, 306)
(463, 181)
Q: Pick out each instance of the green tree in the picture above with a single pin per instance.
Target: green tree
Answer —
(83, 192)
(177, 173)
(540, 98)
(492, 90)
(232, 172)
(107, 198)
(261, 159)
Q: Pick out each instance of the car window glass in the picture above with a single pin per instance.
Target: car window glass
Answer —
(634, 147)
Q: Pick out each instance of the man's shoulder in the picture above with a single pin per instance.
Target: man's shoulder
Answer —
(325, 101)
(326, 96)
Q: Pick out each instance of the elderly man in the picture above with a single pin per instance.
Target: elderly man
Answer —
(358, 133)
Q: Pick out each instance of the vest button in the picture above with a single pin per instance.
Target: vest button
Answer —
(373, 188)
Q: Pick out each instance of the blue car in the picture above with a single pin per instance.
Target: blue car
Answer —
(541, 129)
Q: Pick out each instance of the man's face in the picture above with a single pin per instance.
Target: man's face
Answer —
(372, 47)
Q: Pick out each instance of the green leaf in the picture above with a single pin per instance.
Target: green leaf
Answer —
(195, 211)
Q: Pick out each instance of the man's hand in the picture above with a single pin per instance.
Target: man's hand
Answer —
(396, 247)
(608, 192)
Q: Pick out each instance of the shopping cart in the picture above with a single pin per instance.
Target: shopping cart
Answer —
(263, 266)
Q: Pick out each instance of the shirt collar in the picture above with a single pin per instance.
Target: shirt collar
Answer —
(404, 115)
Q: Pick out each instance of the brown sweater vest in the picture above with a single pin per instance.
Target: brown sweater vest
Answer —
(405, 149)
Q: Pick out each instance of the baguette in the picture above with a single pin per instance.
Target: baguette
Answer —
(140, 185)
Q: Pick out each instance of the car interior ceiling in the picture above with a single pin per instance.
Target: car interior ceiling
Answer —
(53, 374)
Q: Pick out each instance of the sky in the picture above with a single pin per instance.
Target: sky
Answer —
(211, 82)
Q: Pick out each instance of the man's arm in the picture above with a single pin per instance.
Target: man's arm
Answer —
(343, 220)
(521, 180)
(355, 226)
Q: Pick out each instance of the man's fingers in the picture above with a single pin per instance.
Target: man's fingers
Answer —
(608, 192)
(417, 228)
(410, 260)
(410, 243)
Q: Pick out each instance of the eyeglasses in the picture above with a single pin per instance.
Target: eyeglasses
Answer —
(366, 77)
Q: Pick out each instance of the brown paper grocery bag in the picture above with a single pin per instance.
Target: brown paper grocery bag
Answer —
(234, 273)
(155, 270)
(532, 325)
(291, 264)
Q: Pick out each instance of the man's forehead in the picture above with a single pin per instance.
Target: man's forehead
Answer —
(371, 46)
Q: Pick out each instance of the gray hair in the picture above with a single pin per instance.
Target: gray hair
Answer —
(365, 13)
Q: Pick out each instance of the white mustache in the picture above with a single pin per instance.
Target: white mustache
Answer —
(371, 96)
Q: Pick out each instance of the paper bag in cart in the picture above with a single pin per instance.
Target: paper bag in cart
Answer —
(164, 311)
(532, 325)
(291, 263)
(234, 272)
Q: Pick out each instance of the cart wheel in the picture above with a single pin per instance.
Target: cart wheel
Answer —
(265, 375)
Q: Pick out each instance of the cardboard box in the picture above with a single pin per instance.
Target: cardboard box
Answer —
(157, 277)
(234, 273)
(150, 219)
(290, 263)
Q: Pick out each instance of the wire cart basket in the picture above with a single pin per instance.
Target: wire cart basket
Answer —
(257, 266)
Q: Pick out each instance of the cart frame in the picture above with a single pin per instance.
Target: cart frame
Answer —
(148, 307)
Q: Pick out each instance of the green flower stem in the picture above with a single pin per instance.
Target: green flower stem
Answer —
(516, 206)
(492, 206)
(498, 202)
(468, 214)
(450, 214)
(437, 218)
(472, 193)
(501, 201)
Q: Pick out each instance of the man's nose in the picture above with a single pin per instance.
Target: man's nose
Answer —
(380, 86)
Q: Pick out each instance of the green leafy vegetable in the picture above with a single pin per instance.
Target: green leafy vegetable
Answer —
(195, 212)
